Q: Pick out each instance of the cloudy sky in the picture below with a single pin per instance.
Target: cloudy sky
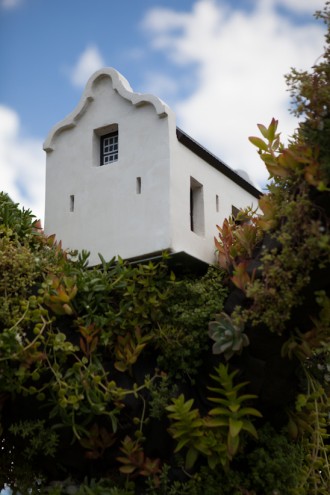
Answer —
(219, 64)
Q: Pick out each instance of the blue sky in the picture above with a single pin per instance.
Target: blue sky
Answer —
(218, 63)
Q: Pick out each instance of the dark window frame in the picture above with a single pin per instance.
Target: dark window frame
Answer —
(113, 152)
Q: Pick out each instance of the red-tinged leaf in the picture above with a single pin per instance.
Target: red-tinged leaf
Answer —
(277, 171)
(37, 225)
(62, 295)
(92, 454)
(217, 244)
(82, 345)
(259, 143)
(151, 466)
(240, 277)
(94, 344)
(222, 260)
(51, 240)
(287, 160)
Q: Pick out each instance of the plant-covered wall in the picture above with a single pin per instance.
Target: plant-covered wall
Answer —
(131, 379)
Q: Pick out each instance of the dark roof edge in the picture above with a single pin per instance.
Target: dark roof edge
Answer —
(216, 163)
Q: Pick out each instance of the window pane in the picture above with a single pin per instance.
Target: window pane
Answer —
(109, 148)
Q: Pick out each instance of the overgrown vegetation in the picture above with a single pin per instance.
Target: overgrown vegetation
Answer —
(127, 379)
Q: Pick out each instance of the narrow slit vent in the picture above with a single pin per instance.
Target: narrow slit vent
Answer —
(138, 185)
(72, 202)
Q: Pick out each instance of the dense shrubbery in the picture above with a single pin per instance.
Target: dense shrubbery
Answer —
(90, 357)
(126, 379)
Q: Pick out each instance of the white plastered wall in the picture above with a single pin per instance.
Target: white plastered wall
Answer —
(109, 216)
(184, 165)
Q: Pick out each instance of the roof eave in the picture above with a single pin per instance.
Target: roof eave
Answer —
(215, 162)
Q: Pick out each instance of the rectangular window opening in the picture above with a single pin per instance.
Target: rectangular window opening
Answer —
(196, 207)
(72, 202)
(138, 185)
(109, 148)
(217, 203)
(234, 211)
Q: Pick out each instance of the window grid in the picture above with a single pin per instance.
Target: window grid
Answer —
(109, 148)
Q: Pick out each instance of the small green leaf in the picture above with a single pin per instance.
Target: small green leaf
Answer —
(232, 444)
(259, 143)
(272, 129)
(191, 458)
(245, 411)
(249, 427)
(215, 422)
(235, 426)
(264, 131)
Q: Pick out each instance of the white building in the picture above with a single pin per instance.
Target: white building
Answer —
(122, 179)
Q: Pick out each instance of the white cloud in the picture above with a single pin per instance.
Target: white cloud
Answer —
(238, 60)
(301, 6)
(159, 84)
(10, 4)
(22, 164)
(89, 61)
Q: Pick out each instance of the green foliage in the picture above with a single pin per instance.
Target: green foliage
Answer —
(301, 235)
(118, 297)
(39, 439)
(216, 436)
(229, 413)
(310, 92)
(189, 431)
(134, 461)
(69, 331)
(180, 336)
(293, 260)
(275, 464)
(238, 238)
(161, 391)
(19, 222)
(272, 465)
(310, 421)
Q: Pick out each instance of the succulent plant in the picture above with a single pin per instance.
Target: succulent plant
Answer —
(229, 337)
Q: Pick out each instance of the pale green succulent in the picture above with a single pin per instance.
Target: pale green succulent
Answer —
(229, 338)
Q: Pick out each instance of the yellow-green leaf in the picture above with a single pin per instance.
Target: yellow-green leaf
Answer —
(235, 426)
(259, 143)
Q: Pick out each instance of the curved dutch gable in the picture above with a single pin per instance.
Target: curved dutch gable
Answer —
(121, 86)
